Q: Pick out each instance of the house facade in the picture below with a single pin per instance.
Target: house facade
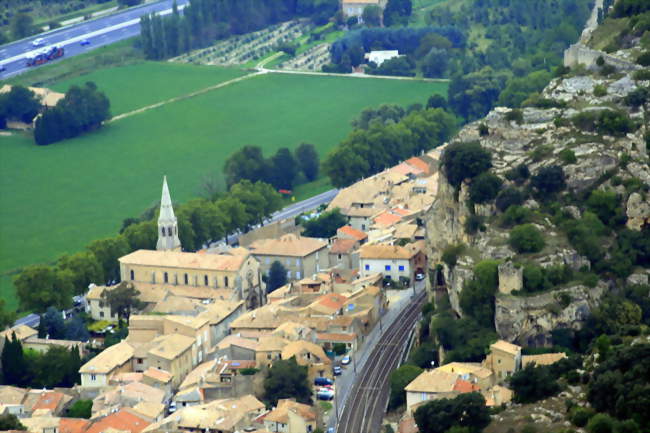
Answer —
(301, 256)
(394, 262)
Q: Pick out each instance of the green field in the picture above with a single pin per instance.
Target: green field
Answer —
(58, 198)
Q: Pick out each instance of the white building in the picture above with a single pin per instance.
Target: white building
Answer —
(379, 57)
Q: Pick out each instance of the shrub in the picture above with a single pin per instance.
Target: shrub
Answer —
(484, 187)
(601, 423)
(515, 215)
(473, 224)
(600, 90)
(518, 174)
(465, 161)
(526, 238)
(644, 59)
(529, 428)
(638, 97)
(508, 197)
(533, 383)
(549, 180)
(567, 156)
(642, 75)
(608, 122)
(450, 254)
(600, 61)
(607, 70)
(580, 416)
(248, 371)
(483, 130)
(515, 115)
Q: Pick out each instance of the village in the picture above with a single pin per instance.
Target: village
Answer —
(206, 331)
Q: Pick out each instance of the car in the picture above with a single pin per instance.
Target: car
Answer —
(38, 42)
(172, 407)
(84, 42)
(337, 370)
(419, 276)
(322, 381)
(346, 360)
(330, 430)
(325, 395)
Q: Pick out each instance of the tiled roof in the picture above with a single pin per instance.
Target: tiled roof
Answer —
(194, 322)
(329, 303)
(288, 245)
(11, 395)
(176, 259)
(280, 413)
(124, 420)
(543, 359)
(464, 386)
(171, 346)
(384, 251)
(271, 343)
(406, 169)
(342, 246)
(335, 336)
(49, 400)
(73, 425)
(352, 232)
(466, 368)
(109, 359)
(296, 347)
(387, 219)
(434, 381)
(504, 346)
(149, 409)
(419, 163)
(233, 340)
(23, 332)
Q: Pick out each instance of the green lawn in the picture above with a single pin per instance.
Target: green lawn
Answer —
(133, 86)
(58, 198)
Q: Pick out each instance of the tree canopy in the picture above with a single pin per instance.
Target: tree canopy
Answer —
(277, 276)
(287, 379)
(324, 225)
(122, 300)
(465, 411)
(533, 383)
(398, 379)
(465, 160)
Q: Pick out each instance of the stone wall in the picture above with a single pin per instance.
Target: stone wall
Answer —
(511, 277)
(579, 54)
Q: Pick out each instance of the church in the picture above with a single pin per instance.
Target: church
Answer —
(233, 274)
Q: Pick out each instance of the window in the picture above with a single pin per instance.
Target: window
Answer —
(225, 281)
(288, 274)
(387, 267)
(205, 280)
(288, 262)
(298, 274)
(339, 256)
(367, 267)
(132, 275)
(186, 280)
(268, 356)
(401, 268)
(297, 262)
(153, 277)
(166, 277)
(267, 260)
(169, 231)
(139, 360)
(363, 227)
(162, 230)
(93, 377)
(101, 304)
(101, 314)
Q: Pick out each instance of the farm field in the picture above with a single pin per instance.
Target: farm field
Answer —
(56, 199)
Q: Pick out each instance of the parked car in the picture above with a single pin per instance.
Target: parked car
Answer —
(325, 395)
(38, 42)
(330, 430)
(172, 407)
(337, 370)
(419, 276)
(346, 360)
(84, 42)
(322, 381)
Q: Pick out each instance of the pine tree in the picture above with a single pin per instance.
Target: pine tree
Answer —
(14, 368)
(42, 329)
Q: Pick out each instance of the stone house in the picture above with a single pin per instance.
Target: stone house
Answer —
(394, 262)
(504, 359)
(301, 256)
(354, 8)
(311, 355)
(97, 307)
(290, 417)
(95, 374)
(436, 384)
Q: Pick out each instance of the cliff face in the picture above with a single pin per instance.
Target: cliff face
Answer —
(543, 138)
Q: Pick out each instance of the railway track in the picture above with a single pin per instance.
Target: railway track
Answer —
(366, 403)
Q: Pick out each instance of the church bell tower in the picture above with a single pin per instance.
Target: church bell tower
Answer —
(167, 223)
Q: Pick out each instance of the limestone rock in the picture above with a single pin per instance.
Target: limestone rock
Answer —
(637, 211)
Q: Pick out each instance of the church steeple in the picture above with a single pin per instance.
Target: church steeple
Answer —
(167, 223)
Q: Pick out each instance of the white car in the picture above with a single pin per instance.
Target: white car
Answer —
(38, 42)
(345, 360)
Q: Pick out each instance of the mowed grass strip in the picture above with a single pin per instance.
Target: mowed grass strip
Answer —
(58, 198)
(135, 86)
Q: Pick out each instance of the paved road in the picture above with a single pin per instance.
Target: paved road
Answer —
(99, 32)
(362, 390)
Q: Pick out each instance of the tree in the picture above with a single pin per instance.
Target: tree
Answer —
(10, 421)
(465, 411)
(80, 409)
(435, 63)
(260, 200)
(437, 101)
(108, 251)
(533, 383)
(371, 16)
(277, 276)
(508, 197)
(601, 423)
(465, 161)
(21, 26)
(20, 103)
(6, 317)
(283, 168)
(54, 325)
(76, 330)
(14, 368)
(398, 379)
(287, 379)
(40, 286)
(526, 238)
(85, 269)
(477, 296)
(397, 12)
(325, 225)
(484, 187)
(308, 160)
(122, 300)
(247, 163)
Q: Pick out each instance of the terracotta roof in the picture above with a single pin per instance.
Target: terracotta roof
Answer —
(49, 400)
(504, 346)
(464, 386)
(405, 231)
(176, 259)
(95, 292)
(360, 211)
(329, 303)
(384, 251)
(433, 381)
(124, 420)
(73, 425)
(543, 359)
(406, 169)
(352, 232)
(171, 346)
(194, 322)
(419, 163)
(126, 377)
(109, 359)
(280, 413)
(335, 336)
(158, 374)
(288, 245)
(387, 219)
(342, 246)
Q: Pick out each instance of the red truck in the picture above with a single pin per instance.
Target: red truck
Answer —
(50, 53)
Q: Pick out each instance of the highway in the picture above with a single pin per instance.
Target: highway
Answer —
(100, 31)
(364, 406)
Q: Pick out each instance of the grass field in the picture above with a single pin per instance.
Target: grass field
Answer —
(58, 198)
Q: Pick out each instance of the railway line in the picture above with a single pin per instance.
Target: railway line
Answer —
(366, 403)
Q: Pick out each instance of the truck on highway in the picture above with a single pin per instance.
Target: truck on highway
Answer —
(46, 55)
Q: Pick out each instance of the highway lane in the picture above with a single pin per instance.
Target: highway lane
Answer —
(366, 402)
(99, 32)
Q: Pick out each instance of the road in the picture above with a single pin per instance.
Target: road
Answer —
(365, 404)
(101, 31)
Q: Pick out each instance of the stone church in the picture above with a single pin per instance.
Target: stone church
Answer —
(232, 274)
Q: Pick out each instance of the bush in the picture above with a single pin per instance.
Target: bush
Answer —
(607, 122)
(600, 90)
(483, 130)
(518, 174)
(580, 416)
(567, 156)
(642, 75)
(515, 115)
(484, 188)
(450, 254)
(80, 409)
(644, 59)
(473, 224)
(516, 215)
(533, 383)
(601, 423)
(248, 371)
(508, 197)
(465, 161)
(549, 180)
(526, 239)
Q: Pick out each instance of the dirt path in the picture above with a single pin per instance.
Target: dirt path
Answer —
(186, 96)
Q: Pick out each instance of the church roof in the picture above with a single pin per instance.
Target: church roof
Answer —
(166, 209)
(177, 259)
